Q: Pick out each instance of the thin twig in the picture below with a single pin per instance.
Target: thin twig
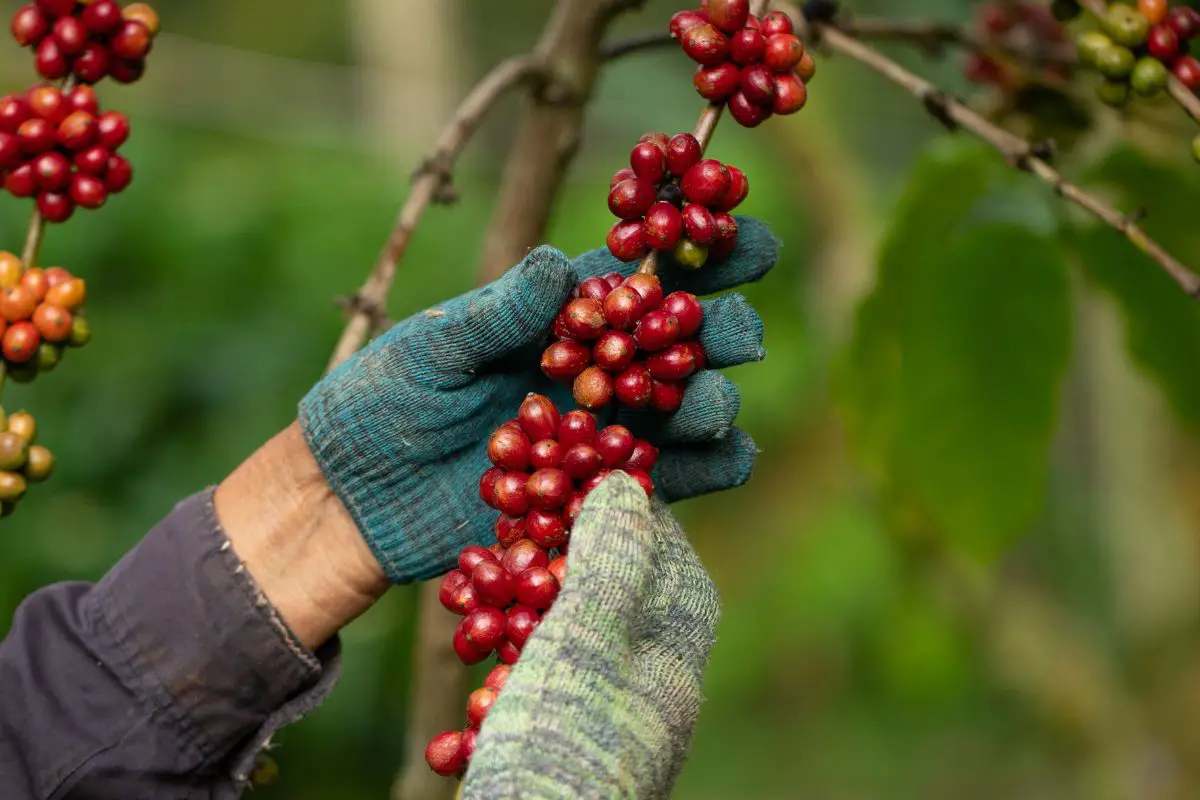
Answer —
(1182, 95)
(430, 184)
(935, 36)
(1016, 150)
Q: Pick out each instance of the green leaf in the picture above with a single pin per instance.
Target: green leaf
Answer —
(950, 383)
(1162, 323)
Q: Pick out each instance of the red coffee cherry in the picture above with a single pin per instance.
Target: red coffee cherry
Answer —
(728, 15)
(548, 489)
(643, 457)
(663, 226)
(682, 152)
(82, 98)
(623, 174)
(585, 318)
(19, 182)
(747, 46)
(644, 479)
(493, 584)
(102, 17)
(487, 483)
(143, 13)
(546, 528)
(776, 22)
(483, 628)
(615, 444)
(37, 135)
(463, 649)
(698, 224)
(758, 85)
(718, 82)
(648, 287)
(538, 417)
(472, 556)
(558, 568)
(624, 306)
(522, 621)
(571, 512)
(132, 42)
(70, 34)
(55, 206)
(648, 162)
(77, 130)
(546, 453)
(591, 483)
(577, 427)
(686, 308)
(536, 587)
(632, 386)
(581, 461)
(614, 350)
(112, 130)
(497, 677)
(563, 360)
(1187, 70)
(508, 652)
(53, 323)
(739, 187)
(746, 113)
(593, 388)
(1183, 21)
(656, 331)
(50, 61)
(631, 198)
(673, 364)
(92, 65)
(508, 447)
(509, 495)
(727, 228)
(20, 342)
(444, 753)
(783, 52)
(656, 138)
(480, 702)
(706, 182)
(790, 94)
(452, 581)
(17, 303)
(117, 174)
(1163, 43)
(523, 554)
(87, 191)
(13, 111)
(10, 150)
(48, 103)
(52, 171)
(626, 241)
(705, 44)
(35, 281)
(509, 530)
(683, 21)
(29, 25)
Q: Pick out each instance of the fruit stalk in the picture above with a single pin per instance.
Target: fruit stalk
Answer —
(705, 127)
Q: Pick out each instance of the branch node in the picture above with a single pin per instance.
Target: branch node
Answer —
(1136, 216)
(439, 165)
(1043, 150)
(357, 305)
(937, 103)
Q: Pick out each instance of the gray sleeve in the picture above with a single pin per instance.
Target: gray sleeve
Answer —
(163, 680)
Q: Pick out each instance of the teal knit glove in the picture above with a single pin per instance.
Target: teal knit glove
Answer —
(605, 696)
(400, 430)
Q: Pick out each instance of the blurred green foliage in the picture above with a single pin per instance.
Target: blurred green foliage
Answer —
(852, 661)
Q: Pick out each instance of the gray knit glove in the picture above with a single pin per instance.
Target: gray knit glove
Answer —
(604, 699)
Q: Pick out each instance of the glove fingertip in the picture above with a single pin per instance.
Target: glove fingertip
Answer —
(544, 279)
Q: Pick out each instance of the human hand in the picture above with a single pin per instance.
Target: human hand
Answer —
(400, 430)
(605, 697)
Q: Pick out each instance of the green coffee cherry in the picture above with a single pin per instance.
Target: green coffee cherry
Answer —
(12, 487)
(23, 424)
(1196, 148)
(1149, 76)
(48, 356)
(14, 451)
(40, 464)
(1090, 44)
(1125, 25)
(690, 255)
(1114, 93)
(1115, 62)
(81, 332)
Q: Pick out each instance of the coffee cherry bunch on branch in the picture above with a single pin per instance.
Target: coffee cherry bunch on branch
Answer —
(41, 315)
(1027, 25)
(21, 461)
(544, 465)
(89, 40)
(621, 338)
(59, 148)
(759, 67)
(1136, 47)
(670, 198)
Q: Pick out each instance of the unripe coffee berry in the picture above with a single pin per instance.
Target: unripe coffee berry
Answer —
(36, 282)
(626, 241)
(706, 182)
(705, 44)
(593, 388)
(563, 360)
(631, 198)
(493, 583)
(806, 68)
(632, 386)
(690, 255)
(522, 621)
(14, 451)
(747, 46)
(483, 628)
(614, 350)
(577, 427)
(509, 495)
(17, 303)
(718, 82)
(53, 322)
(81, 332)
(548, 489)
(12, 487)
(537, 588)
(23, 424)
(479, 703)
(615, 444)
(444, 753)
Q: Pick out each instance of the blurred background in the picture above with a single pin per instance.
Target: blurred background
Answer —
(966, 565)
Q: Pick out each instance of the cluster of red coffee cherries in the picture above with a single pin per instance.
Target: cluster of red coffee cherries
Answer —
(59, 148)
(759, 67)
(544, 465)
(40, 316)
(88, 39)
(621, 338)
(671, 198)
(1031, 24)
